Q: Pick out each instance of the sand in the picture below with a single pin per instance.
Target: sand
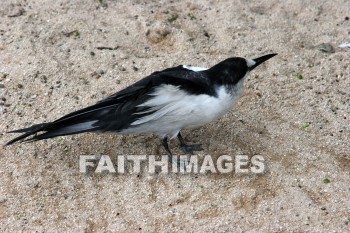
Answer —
(59, 56)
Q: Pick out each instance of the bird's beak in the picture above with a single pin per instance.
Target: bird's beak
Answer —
(260, 60)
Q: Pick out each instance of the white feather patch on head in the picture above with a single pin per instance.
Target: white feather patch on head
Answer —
(194, 68)
(250, 62)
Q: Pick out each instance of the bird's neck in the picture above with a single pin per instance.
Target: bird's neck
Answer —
(235, 89)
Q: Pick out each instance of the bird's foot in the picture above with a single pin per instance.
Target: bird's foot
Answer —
(189, 149)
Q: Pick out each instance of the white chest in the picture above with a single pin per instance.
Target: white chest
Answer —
(207, 109)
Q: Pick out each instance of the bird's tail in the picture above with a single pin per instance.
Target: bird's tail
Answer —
(86, 120)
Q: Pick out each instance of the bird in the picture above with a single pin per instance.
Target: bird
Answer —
(163, 103)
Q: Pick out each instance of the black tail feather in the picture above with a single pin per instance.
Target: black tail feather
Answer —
(85, 120)
(27, 132)
(29, 129)
(45, 131)
(52, 134)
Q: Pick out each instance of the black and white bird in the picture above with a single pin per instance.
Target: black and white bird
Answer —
(162, 103)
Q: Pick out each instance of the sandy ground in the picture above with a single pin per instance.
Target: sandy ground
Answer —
(59, 56)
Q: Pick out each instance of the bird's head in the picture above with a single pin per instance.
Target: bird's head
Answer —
(232, 70)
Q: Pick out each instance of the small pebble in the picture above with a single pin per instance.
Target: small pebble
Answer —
(20, 86)
(326, 48)
(3, 76)
(43, 79)
(98, 74)
(17, 12)
(2, 85)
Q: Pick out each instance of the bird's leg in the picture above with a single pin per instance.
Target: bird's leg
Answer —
(166, 148)
(188, 149)
(172, 161)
